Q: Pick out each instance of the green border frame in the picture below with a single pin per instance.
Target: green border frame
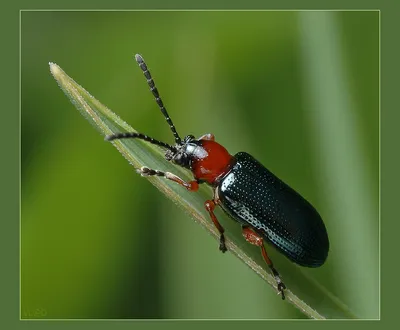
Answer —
(9, 243)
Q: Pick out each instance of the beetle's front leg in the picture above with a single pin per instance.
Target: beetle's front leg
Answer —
(191, 185)
(210, 206)
(253, 238)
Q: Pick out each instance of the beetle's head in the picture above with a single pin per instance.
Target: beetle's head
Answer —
(184, 152)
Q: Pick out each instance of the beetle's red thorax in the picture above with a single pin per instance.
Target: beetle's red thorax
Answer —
(211, 162)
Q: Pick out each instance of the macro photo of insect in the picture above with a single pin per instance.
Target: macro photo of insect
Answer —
(248, 186)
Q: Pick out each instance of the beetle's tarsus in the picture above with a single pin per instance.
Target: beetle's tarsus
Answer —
(222, 246)
(281, 289)
(108, 137)
(144, 171)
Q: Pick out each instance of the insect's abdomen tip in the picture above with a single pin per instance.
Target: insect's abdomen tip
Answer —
(109, 138)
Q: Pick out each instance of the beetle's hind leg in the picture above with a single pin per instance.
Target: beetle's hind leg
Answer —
(253, 238)
(210, 206)
(191, 185)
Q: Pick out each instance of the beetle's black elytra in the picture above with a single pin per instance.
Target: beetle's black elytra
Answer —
(254, 196)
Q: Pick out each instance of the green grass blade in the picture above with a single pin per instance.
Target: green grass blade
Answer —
(315, 301)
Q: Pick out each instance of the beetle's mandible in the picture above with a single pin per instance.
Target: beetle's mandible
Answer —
(267, 208)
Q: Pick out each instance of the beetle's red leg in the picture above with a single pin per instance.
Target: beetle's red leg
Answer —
(281, 286)
(210, 206)
(191, 185)
(253, 238)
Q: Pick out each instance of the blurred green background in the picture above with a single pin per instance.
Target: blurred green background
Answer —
(298, 90)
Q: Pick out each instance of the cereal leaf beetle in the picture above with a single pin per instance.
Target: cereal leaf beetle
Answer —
(267, 208)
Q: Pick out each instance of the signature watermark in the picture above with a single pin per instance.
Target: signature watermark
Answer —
(33, 313)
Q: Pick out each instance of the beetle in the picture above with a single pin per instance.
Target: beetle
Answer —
(266, 207)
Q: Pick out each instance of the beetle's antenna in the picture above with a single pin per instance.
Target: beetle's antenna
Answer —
(140, 136)
(139, 59)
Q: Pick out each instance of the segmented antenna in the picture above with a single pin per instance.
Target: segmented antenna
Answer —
(140, 136)
(139, 59)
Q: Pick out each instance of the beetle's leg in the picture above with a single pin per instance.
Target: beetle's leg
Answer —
(281, 286)
(253, 238)
(210, 206)
(191, 185)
